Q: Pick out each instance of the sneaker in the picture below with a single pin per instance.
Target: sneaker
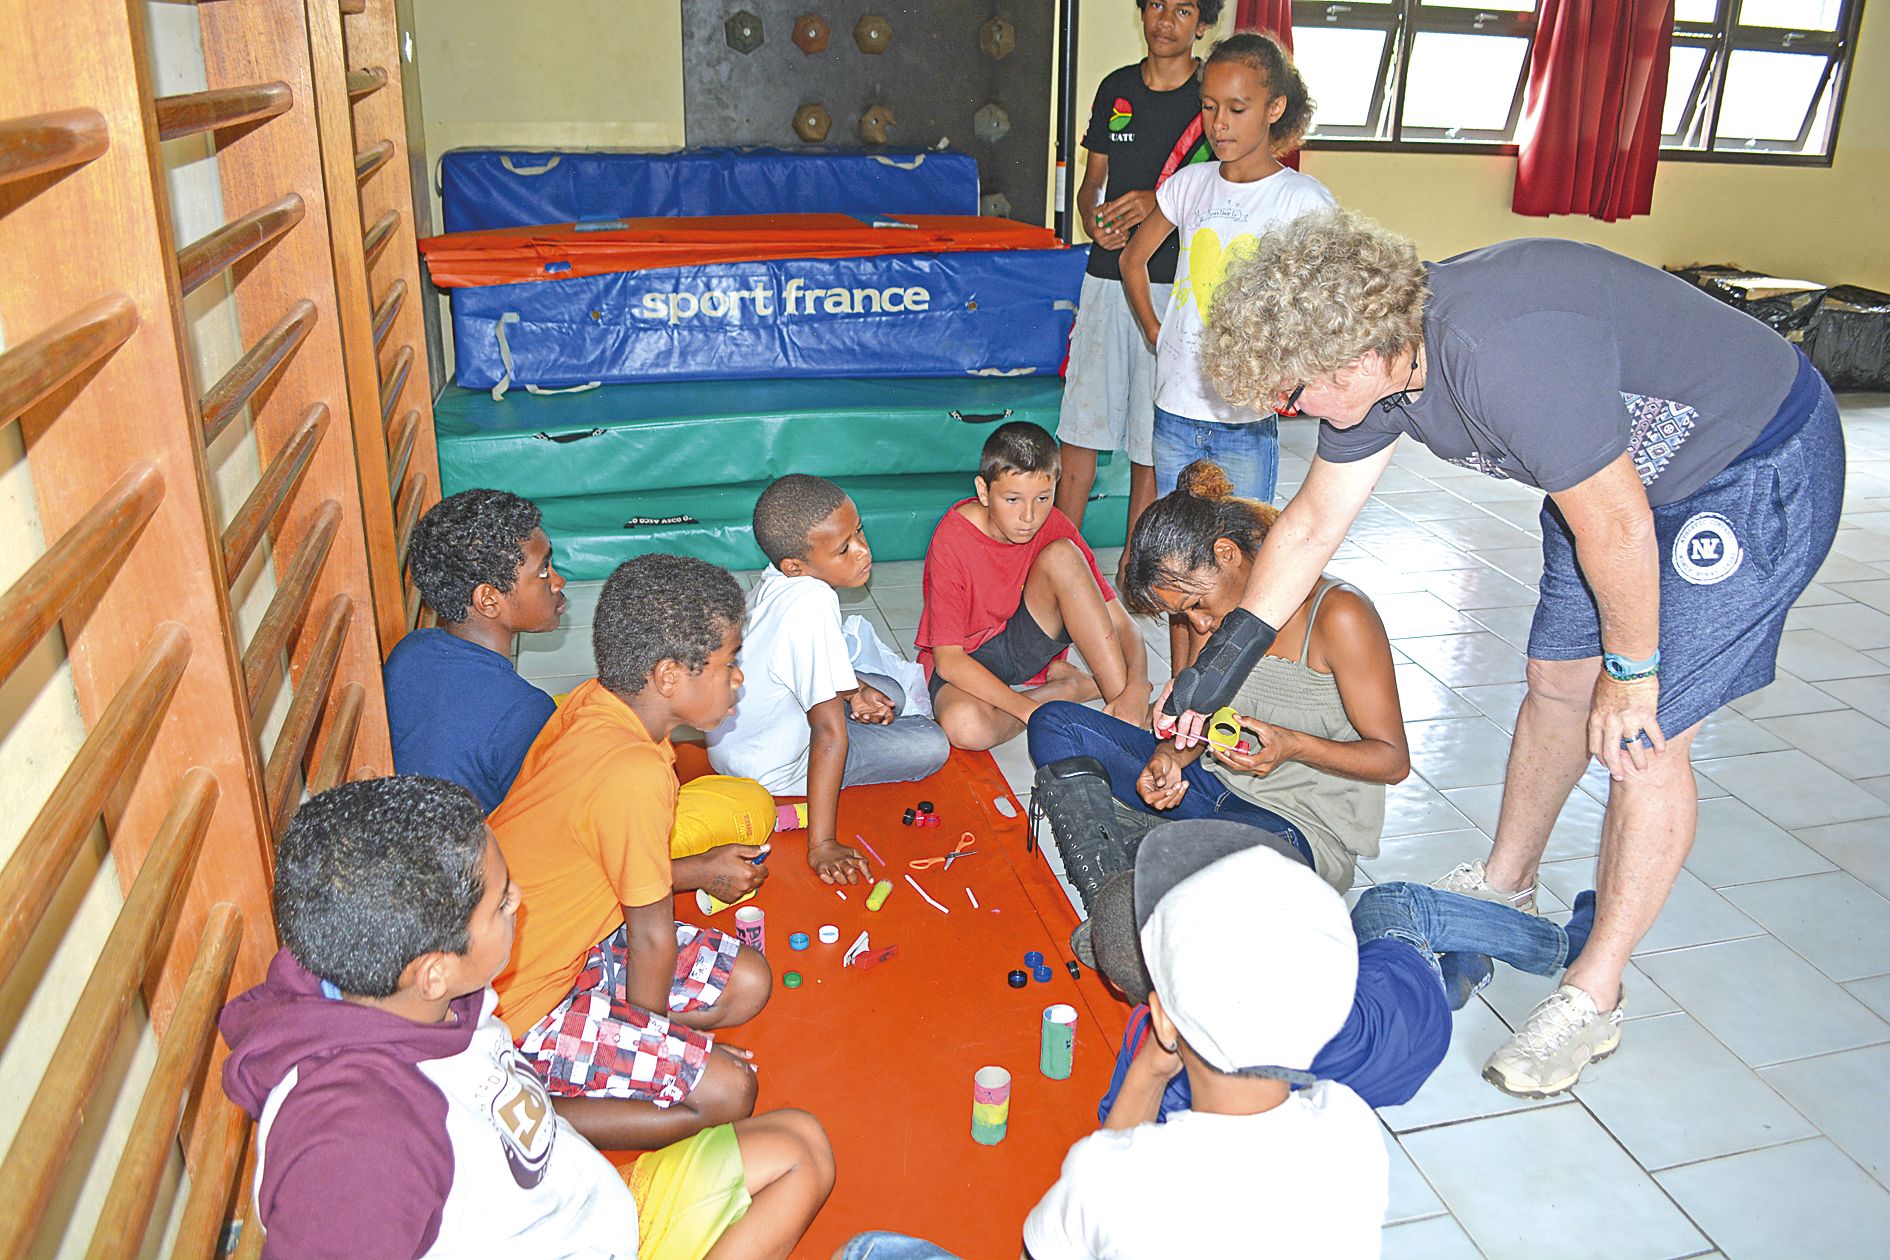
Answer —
(1563, 1035)
(1096, 837)
(1468, 878)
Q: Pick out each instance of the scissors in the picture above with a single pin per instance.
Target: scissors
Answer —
(963, 849)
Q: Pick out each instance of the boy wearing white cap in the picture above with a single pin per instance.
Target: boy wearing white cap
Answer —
(1252, 961)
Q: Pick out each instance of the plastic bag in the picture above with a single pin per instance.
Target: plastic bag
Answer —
(1849, 341)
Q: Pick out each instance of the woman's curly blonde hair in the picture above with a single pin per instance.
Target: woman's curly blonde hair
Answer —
(1316, 294)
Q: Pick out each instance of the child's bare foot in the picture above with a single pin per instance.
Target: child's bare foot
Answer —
(1064, 681)
(835, 863)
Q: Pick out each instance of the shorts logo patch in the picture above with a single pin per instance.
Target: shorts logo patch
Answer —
(1706, 550)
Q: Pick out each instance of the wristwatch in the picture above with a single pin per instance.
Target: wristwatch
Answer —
(1621, 669)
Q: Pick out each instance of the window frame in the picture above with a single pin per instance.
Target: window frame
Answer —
(1402, 21)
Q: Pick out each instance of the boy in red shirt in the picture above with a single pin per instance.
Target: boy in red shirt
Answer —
(1009, 586)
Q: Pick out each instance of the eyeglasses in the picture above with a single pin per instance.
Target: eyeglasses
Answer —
(1287, 403)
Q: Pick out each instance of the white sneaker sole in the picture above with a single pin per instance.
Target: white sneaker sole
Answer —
(1494, 1076)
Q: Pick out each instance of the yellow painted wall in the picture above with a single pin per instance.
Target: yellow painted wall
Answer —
(1826, 224)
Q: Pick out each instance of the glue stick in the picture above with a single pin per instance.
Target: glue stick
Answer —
(881, 891)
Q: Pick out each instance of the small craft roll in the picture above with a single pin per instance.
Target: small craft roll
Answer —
(990, 1119)
(876, 898)
(751, 928)
(1059, 1041)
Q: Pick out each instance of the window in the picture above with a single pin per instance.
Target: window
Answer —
(1763, 78)
(1747, 80)
(1415, 72)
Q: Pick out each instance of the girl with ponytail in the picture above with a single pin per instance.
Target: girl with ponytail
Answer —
(1319, 712)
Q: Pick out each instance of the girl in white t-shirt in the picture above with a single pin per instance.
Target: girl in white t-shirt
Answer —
(1254, 106)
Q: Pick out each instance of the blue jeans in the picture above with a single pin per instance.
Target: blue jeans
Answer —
(1061, 729)
(1438, 922)
(879, 1245)
(908, 748)
(1248, 453)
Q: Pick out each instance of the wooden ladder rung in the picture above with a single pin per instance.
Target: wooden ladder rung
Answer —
(83, 559)
(42, 363)
(354, 6)
(181, 1053)
(331, 759)
(98, 1018)
(295, 587)
(39, 144)
(410, 496)
(272, 492)
(405, 434)
(375, 239)
(394, 382)
(111, 748)
(372, 159)
(214, 1170)
(389, 307)
(194, 112)
(305, 710)
(225, 400)
(236, 240)
(411, 606)
(366, 82)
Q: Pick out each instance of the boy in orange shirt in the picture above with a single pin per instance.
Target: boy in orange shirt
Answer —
(617, 1001)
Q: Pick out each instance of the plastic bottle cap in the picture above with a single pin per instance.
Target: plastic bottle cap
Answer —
(907, 818)
(829, 934)
(1033, 959)
(925, 807)
(792, 980)
(1016, 979)
(1043, 973)
(797, 940)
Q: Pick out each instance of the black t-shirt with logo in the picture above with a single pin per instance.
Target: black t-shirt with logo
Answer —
(1138, 129)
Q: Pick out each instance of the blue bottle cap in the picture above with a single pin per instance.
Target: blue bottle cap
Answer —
(797, 941)
(1043, 973)
(1033, 959)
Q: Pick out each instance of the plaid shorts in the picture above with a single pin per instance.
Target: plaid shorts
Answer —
(595, 1044)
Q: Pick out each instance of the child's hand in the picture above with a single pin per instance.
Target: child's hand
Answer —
(835, 863)
(870, 704)
(1160, 783)
(1272, 745)
(744, 1057)
(728, 871)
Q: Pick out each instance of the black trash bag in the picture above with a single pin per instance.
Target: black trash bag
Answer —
(1786, 306)
(1849, 341)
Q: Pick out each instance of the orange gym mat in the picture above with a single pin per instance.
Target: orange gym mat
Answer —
(885, 1056)
(562, 251)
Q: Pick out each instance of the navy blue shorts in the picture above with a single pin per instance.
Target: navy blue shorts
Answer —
(1734, 555)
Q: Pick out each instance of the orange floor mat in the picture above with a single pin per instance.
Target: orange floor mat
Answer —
(885, 1056)
(560, 251)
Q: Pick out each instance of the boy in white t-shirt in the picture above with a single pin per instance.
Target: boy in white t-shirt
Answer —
(807, 722)
(1253, 962)
(1254, 106)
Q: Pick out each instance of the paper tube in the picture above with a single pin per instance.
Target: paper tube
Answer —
(990, 1105)
(751, 928)
(1059, 1041)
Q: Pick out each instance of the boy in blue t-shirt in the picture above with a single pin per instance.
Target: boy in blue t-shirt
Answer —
(1409, 935)
(456, 708)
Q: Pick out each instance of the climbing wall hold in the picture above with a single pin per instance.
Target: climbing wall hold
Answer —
(743, 30)
(872, 33)
(992, 122)
(874, 124)
(812, 122)
(997, 38)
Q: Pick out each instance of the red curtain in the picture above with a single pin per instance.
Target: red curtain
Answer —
(1275, 17)
(1590, 133)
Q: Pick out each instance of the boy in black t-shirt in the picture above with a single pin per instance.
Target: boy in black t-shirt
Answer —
(1144, 125)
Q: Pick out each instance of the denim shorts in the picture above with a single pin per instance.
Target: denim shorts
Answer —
(1248, 453)
(1734, 555)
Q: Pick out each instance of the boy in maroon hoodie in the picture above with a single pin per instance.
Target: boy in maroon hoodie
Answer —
(394, 1116)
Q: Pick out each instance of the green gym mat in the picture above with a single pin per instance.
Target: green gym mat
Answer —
(626, 470)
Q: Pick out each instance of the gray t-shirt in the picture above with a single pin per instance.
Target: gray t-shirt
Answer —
(1545, 359)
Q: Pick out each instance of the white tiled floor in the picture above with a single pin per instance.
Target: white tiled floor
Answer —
(1748, 1112)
